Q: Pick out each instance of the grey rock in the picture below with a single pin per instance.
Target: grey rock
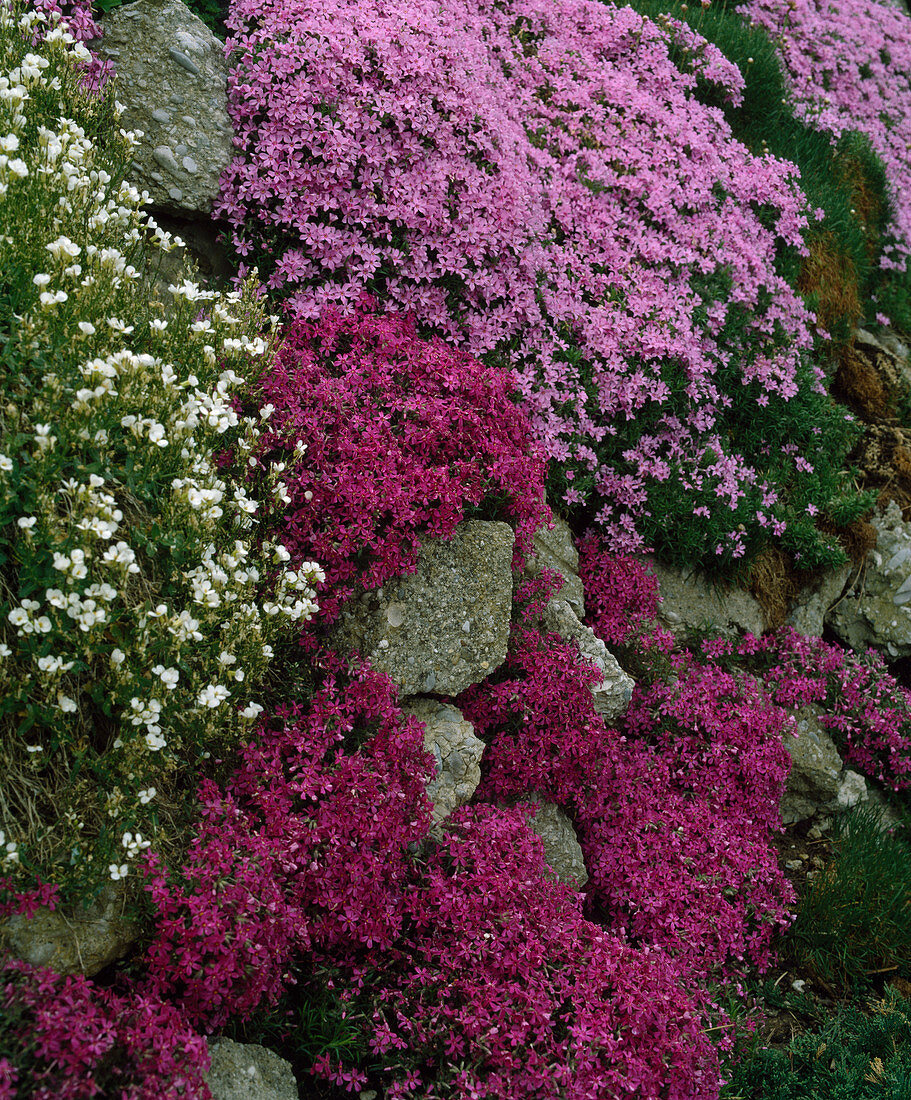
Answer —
(689, 603)
(808, 613)
(457, 753)
(852, 788)
(73, 940)
(247, 1071)
(561, 846)
(816, 768)
(412, 629)
(153, 71)
(877, 609)
(554, 550)
(612, 695)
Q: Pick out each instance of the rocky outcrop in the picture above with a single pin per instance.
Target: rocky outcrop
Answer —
(455, 749)
(808, 613)
(818, 781)
(877, 611)
(73, 941)
(247, 1071)
(612, 695)
(691, 604)
(561, 846)
(172, 80)
(445, 626)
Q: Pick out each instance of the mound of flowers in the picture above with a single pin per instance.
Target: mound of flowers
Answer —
(389, 439)
(848, 64)
(690, 781)
(540, 183)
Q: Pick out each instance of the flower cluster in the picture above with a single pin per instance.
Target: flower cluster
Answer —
(306, 850)
(389, 439)
(500, 988)
(140, 600)
(848, 62)
(538, 182)
(866, 709)
(65, 1038)
(689, 781)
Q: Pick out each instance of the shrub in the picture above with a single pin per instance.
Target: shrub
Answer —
(65, 1038)
(538, 182)
(499, 988)
(139, 606)
(404, 439)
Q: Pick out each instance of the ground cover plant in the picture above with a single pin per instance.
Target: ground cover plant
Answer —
(863, 1051)
(848, 66)
(388, 439)
(461, 162)
(139, 609)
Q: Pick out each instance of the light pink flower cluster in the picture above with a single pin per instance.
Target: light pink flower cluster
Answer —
(536, 181)
(849, 63)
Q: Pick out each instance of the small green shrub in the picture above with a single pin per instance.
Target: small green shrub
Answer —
(138, 608)
(854, 924)
(858, 1055)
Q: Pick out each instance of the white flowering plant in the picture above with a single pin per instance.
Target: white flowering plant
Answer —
(139, 605)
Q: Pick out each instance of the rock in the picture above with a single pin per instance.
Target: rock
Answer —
(877, 612)
(446, 626)
(690, 604)
(457, 753)
(816, 778)
(852, 788)
(809, 610)
(172, 78)
(561, 847)
(612, 695)
(554, 550)
(73, 941)
(247, 1071)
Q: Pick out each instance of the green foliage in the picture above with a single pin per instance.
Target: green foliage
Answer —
(861, 1054)
(854, 925)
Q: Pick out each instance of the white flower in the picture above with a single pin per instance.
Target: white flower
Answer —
(118, 872)
(9, 144)
(213, 696)
(26, 522)
(5, 650)
(155, 741)
(63, 246)
(118, 657)
(145, 796)
(168, 676)
(86, 328)
(41, 280)
(251, 710)
(66, 704)
(6, 463)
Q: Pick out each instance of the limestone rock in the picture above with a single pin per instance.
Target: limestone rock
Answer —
(457, 753)
(445, 626)
(172, 77)
(612, 696)
(554, 550)
(808, 613)
(877, 612)
(247, 1071)
(689, 604)
(72, 941)
(561, 846)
